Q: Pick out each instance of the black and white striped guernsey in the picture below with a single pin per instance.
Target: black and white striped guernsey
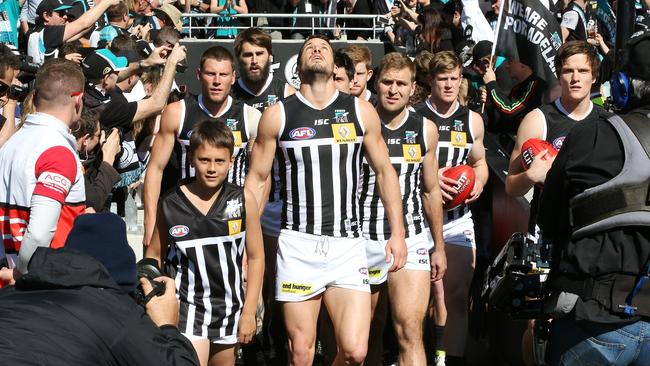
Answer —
(455, 140)
(207, 251)
(320, 164)
(234, 115)
(272, 92)
(406, 147)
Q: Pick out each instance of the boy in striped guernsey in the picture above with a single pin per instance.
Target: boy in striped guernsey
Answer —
(169, 151)
(460, 141)
(412, 141)
(321, 254)
(208, 223)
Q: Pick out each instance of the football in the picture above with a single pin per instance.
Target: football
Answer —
(532, 147)
(464, 175)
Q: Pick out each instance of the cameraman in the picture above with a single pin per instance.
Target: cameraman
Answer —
(97, 150)
(594, 208)
(9, 67)
(74, 306)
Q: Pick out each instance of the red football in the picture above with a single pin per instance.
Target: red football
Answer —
(464, 175)
(532, 147)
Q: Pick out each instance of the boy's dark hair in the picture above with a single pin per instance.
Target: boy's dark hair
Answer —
(341, 59)
(573, 48)
(214, 133)
(88, 124)
(7, 60)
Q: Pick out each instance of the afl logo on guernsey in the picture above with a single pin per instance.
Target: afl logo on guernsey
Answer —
(179, 231)
(557, 143)
(302, 133)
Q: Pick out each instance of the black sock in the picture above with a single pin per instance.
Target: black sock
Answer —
(454, 361)
(438, 332)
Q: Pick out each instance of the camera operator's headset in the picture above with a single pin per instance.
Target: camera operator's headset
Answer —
(621, 85)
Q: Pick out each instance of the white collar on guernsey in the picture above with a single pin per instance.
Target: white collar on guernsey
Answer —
(240, 81)
(563, 110)
(433, 108)
(367, 95)
(204, 109)
(47, 120)
(406, 117)
(308, 103)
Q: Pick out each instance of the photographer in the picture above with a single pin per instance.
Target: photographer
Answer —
(97, 151)
(9, 64)
(594, 209)
(95, 320)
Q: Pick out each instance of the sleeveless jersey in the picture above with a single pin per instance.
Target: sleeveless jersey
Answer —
(320, 164)
(557, 125)
(207, 251)
(234, 116)
(455, 140)
(274, 90)
(406, 148)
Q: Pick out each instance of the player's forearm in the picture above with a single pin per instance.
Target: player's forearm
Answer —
(392, 199)
(518, 184)
(260, 188)
(432, 204)
(254, 283)
(481, 171)
(152, 181)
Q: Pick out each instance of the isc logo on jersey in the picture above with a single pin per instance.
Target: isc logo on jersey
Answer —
(179, 231)
(302, 133)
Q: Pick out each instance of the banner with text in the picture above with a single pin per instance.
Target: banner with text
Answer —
(530, 33)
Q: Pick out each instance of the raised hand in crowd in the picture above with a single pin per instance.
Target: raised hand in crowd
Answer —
(111, 146)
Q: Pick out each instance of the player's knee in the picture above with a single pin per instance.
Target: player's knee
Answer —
(355, 354)
(409, 332)
(302, 352)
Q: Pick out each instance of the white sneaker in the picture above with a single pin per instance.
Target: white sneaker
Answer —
(439, 360)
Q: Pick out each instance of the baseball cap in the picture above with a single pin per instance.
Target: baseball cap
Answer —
(53, 5)
(480, 50)
(102, 62)
(172, 13)
(637, 53)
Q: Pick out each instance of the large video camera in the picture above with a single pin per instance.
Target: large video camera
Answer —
(514, 283)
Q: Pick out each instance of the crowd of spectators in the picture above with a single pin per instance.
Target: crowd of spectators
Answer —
(95, 76)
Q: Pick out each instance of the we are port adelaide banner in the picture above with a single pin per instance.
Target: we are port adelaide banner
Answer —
(530, 33)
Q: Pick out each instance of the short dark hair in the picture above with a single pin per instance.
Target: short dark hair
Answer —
(573, 48)
(166, 34)
(213, 133)
(7, 60)
(255, 36)
(88, 124)
(56, 80)
(341, 59)
(217, 53)
(117, 11)
(123, 43)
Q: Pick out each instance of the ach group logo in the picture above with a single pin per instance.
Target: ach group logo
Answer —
(179, 231)
(302, 133)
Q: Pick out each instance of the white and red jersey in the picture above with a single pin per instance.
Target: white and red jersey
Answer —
(41, 158)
